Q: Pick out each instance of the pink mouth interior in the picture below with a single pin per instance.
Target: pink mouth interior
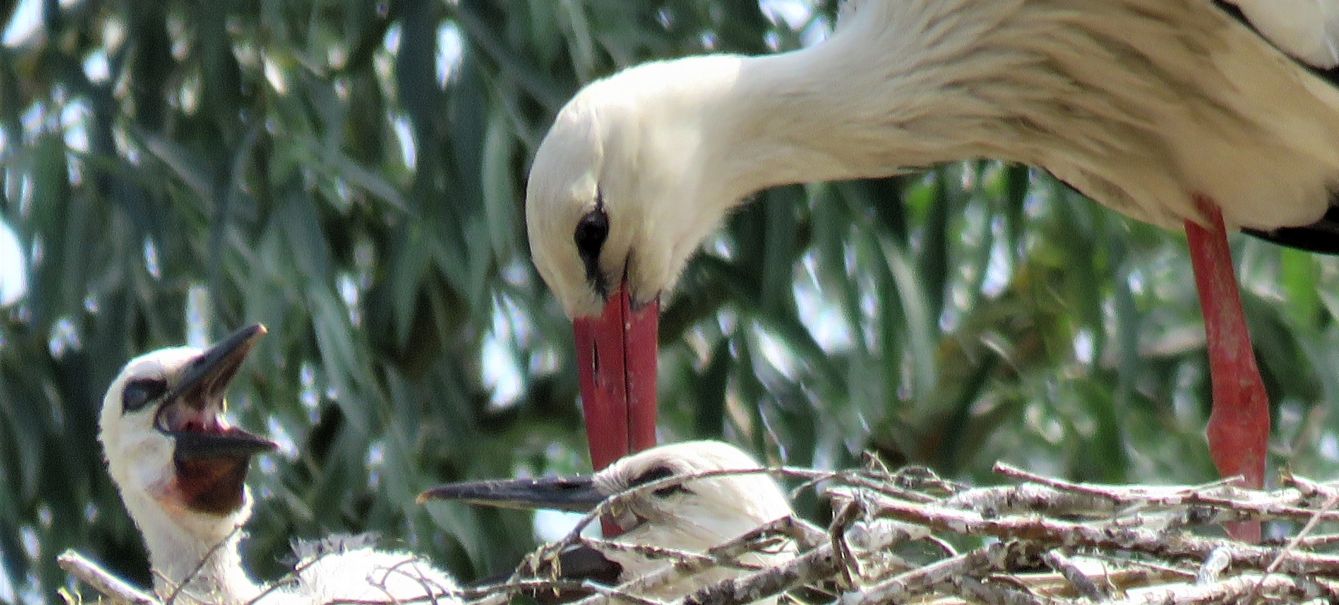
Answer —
(180, 416)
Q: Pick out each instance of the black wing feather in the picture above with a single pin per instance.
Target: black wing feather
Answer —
(1321, 236)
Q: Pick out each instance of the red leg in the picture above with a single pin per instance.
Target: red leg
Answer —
(1239, 424)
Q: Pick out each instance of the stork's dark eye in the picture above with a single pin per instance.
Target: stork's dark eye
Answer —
(657, 473)
(590, 234)
(589, 237)
(140, 392)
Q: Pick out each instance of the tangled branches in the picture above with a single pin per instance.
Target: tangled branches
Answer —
(911, 537)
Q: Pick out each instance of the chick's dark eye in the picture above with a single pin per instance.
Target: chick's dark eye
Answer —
(140, 392)
(656, 474)
(590, 234)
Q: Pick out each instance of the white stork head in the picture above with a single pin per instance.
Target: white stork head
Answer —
(691, 515)
(178, 464)
(640, 167)
(623, 189)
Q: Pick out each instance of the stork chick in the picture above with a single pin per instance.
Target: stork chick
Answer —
(692, 515)
(180, 468)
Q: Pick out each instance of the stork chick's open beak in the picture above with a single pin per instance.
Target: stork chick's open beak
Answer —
(616, 362)
(234, 443)
(188, 415)
(210, 456)
(572, 494)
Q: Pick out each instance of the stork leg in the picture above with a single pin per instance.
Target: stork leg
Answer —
(1239, 423)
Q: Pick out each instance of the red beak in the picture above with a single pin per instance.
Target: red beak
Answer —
(616, 360)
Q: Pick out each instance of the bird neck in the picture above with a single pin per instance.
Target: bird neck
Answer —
(812, 115)
(200, 556)
(885, 93)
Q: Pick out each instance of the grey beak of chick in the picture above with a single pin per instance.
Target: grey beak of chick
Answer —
(208, 375)
(216, 367)
(572, 494)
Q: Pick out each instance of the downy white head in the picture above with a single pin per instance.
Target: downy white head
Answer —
(692, 515)
(181, 467)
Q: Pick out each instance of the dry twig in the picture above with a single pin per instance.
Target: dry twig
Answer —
(101, 580)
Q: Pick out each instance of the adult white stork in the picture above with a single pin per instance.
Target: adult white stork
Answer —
(1175, 112)
(180, 468)
(689, 515)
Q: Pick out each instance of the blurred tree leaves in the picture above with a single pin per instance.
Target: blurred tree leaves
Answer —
(351, 173)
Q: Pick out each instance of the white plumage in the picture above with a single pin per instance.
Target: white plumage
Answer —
(700, 514)
(691, 515)
(180, 469)
(1306, 29)
(1140, 104)
(333, 570)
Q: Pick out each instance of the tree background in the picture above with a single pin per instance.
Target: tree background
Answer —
(352, 174)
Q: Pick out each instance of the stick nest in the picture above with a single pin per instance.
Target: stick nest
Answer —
(911, 537)
(908, 536)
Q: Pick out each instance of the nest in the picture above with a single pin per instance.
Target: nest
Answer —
(909, 536)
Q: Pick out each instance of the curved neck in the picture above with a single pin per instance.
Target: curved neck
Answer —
(901, 85)
(207, 569)
(817, 115)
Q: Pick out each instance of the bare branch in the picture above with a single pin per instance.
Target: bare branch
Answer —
(988, 559)
(1230, 590)
(103, 581)
(1080, 580)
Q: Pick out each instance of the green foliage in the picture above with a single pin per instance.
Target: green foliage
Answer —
(351, 174)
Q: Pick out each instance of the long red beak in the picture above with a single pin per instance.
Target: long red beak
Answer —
(616, 360)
